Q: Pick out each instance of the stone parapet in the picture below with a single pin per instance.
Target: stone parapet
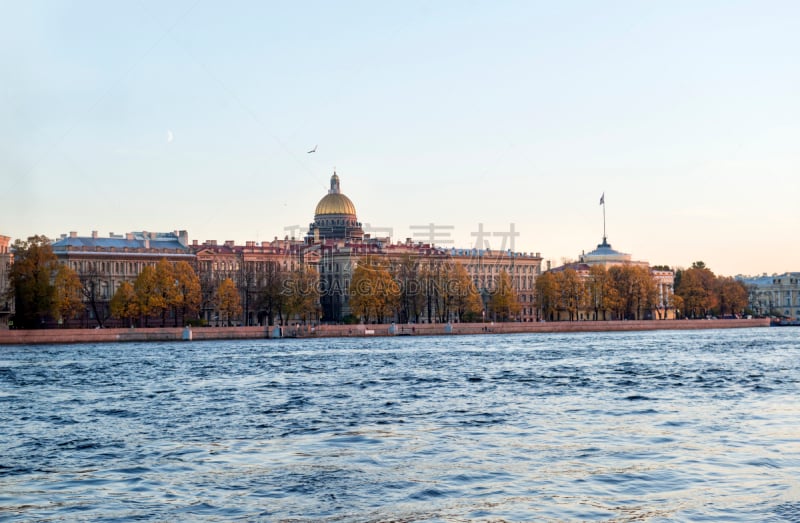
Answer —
(30, 337)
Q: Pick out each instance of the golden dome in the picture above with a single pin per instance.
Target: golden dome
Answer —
(335, 203)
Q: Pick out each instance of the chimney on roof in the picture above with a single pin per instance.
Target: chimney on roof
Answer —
(264, 244)
(94, 235)
(194, 243)
(129, 236)
(73, 234)
(249, 244)
(63, 235)
(229, 243)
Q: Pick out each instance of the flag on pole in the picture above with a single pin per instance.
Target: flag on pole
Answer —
(603, 199)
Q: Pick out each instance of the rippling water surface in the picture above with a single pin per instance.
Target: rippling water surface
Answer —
(656, 426)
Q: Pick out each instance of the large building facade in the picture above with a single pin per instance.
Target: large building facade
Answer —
(103, 263)
(254, 267)
(605, 256)
(776, 295)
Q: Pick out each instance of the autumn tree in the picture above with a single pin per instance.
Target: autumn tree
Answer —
(67, 302)
(373, 291)
(462, 294)
(601, 294)
(547, 294)
(732, 295)
(228, 301)
(573, 293)
(645, 290)
(696, 289)
(166, 286)
(431, 278)
(436, 277)
(91, 282)
(149, 299)
(272, 299)
(187, 296)
(302, 293)
(503, 300)
(31, 280)
(411, 301)
(124, 303)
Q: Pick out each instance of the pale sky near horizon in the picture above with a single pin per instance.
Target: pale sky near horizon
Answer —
(197, 115)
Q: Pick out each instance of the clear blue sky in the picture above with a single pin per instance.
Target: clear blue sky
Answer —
(197, 115)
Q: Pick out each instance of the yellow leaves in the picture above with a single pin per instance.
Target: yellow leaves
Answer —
(227, 299)
(188, 295)
(31, 280)
(373, 290)
(302, 292)
(504, 302)
(124, 303)
(67, 301)
(146, 287)
(462, 292)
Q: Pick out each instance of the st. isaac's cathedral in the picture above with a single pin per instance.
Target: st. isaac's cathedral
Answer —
(338, 240)
(335, 217)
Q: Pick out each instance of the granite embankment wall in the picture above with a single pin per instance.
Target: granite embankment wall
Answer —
(229, 333)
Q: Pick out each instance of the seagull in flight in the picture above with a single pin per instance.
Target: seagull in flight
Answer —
(313, 150)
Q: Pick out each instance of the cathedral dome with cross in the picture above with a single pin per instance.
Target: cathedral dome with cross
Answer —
(335, 217)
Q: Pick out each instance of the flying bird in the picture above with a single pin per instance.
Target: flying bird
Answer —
(313, 150)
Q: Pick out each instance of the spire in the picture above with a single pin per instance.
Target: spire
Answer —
(334, 184)
(603, 203)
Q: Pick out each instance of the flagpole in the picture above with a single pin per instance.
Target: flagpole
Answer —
(603, 203)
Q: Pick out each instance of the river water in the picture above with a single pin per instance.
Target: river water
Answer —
(644, 426)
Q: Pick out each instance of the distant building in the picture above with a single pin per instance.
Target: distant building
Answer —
(252, 267)
(6, 303)
(485, 266)
(604, 255)
(103, 263)
(776, 295)
(338, 240)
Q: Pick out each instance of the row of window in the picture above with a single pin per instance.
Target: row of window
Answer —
(518, 282)
(130, 268)
(330, 222)
(510, 269)
(232, 266)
